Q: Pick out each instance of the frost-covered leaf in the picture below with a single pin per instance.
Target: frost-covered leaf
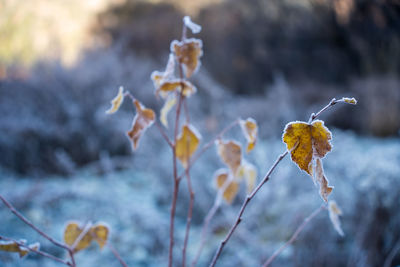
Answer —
(11, 246)
(195, 28)
(168, 105)
(223, 176)
(334, 213)
(100, 233)
(349, 100)
(188, 53)
(158, 77)
(117, 101)
(168, 86)
(230, 153)
(186, 144)
(143, 119)
(320, 178)
(72, 232)
(307, 142)
(248, 172)
(249, 129)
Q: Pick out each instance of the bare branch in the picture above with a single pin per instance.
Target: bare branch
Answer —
(244, 205)
(116, 254)
(294, 236)
(41, 253)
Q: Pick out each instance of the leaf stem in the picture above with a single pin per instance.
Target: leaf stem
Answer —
(295, 235)
(244, 205)
(189, 216)
(208, 218)
(116, 254)
(316, 115)
(42, 253)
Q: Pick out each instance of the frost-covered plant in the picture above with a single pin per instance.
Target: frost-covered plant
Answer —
(306, 142)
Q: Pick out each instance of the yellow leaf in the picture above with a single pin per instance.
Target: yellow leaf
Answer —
(143, 119)
(188, 53)
(187, 143)
(100, 233)
(319, 176)
(72, 232)
(230, 153)
(249, 129)
(12, 246)
(168, 105)
(307, 142)
(222, 176)
(334, 213)
(117, 101)
(248, 172)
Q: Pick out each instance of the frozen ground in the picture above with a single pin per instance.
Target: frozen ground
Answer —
(135, 203)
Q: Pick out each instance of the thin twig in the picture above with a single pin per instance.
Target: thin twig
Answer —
(116, 254)
(294, 236)
(392, 254)
(266, 178)
(175, 173)
(164, 134)
(244, 205)
(316, 115)
(189, 217)
(208, 218)
(40, 232)
(41, 253)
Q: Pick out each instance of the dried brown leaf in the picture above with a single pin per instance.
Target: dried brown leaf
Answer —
(143, 119)
(230, 153)
(224, 179)
(334, 213)
(188, 53)
(249, 129)
(320, 178)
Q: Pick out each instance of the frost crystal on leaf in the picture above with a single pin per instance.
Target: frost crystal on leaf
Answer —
(117, 101)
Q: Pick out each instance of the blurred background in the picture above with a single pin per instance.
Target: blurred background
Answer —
(277, 61)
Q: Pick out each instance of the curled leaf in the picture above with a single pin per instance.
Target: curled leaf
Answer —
(249, 129)
(168, 105)
(334, 213)
(307, 142)
(143, 119)
(186, 87)
(186, 144)
(117, 101)
(188, 53)
(248, 172)
(195, 28)
(224, 180)
(319, 176)
(230, 153)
